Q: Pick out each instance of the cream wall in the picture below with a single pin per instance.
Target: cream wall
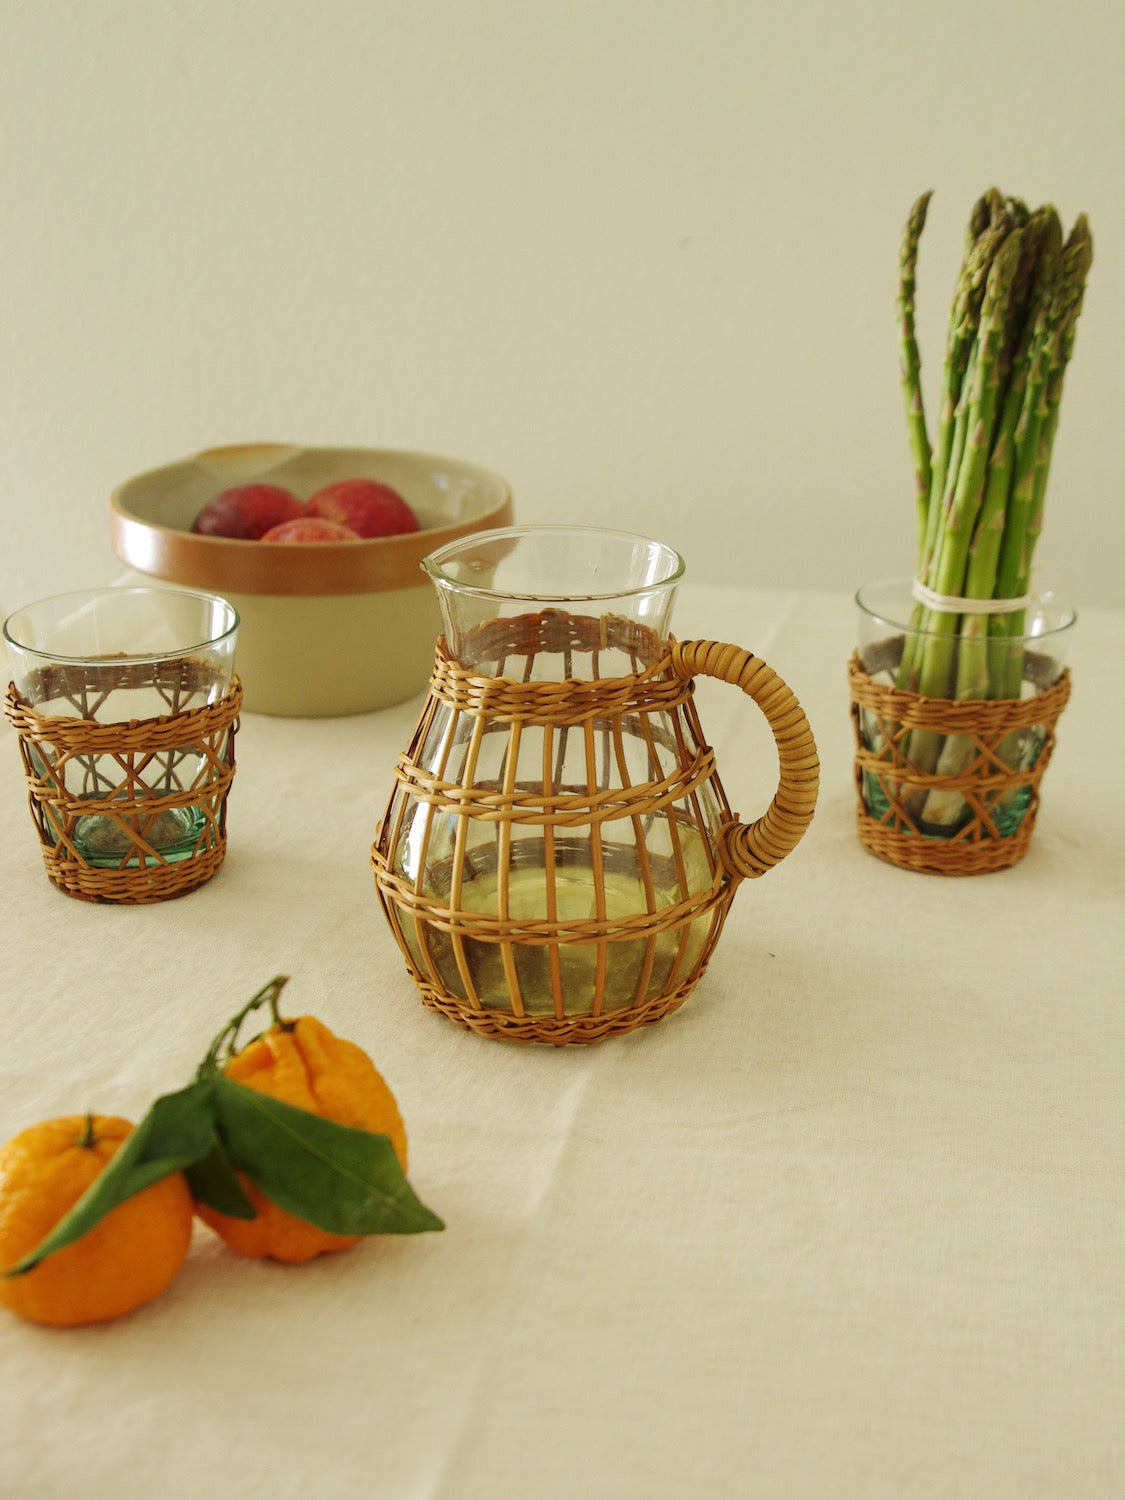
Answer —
(640, 257)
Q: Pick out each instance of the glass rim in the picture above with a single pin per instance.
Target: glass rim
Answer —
(1039, 599)
(433, 563)
(116, 591)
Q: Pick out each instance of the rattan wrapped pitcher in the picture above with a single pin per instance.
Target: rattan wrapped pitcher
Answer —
(558, 854)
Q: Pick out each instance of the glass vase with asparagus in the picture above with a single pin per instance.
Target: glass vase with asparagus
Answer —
(981, 479)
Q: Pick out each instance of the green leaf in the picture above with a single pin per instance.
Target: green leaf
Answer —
(177, 1131)
(213, 1181)
(344, 1181)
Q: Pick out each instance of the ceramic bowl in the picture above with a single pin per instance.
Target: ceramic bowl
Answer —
(326, 628)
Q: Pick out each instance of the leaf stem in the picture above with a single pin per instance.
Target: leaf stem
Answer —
(223, 1045)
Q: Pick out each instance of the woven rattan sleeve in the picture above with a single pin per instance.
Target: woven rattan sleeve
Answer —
(750, 849)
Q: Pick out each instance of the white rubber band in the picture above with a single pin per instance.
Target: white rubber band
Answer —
(951, 604)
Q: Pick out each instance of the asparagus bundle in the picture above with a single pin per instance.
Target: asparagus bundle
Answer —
(981, 482)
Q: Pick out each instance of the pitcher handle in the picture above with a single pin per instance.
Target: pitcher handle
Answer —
(750, 849)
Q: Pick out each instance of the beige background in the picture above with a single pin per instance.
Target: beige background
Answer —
(639, 257)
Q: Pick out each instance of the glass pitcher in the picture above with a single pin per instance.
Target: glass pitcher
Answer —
(558, 855)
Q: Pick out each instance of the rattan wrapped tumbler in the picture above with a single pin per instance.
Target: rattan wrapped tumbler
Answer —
(558, 854)
(948, 783)
(156, 789)
(126, 707)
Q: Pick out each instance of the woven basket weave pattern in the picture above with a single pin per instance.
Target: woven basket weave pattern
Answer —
(130, 776)
(883, 718)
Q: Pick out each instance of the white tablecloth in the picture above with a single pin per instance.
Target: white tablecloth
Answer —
(851, 1223)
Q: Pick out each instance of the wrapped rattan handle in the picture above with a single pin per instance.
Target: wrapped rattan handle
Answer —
(750, 849)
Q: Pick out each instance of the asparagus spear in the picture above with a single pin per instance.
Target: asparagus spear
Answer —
(1029, 310)
(963, 323)
(1039, 422)
(988, 226)
(930, 659)
(964, 496)
(911, 363)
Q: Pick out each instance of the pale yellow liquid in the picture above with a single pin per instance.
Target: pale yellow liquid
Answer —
(619, 960)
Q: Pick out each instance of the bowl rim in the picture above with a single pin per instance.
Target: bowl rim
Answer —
(225, 565)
